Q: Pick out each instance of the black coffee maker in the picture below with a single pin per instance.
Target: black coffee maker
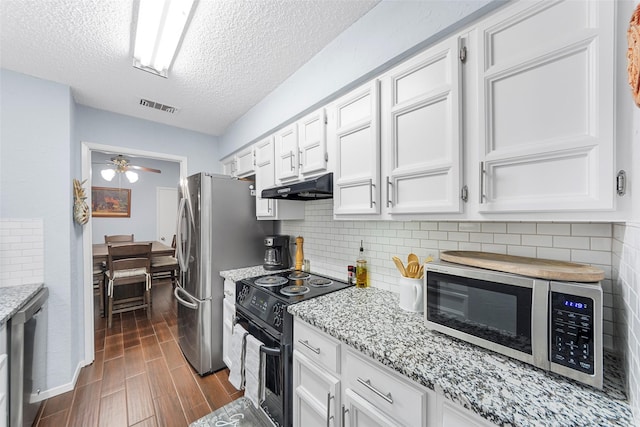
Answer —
(276, 254)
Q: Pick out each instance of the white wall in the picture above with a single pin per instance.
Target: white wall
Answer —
(390, 31)
(143, 220)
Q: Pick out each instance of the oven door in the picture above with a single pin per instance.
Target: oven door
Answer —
(493, 310)
(275, 399)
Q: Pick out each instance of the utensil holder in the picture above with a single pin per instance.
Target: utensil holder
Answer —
(411, 294)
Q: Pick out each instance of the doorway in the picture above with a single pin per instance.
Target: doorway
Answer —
(87, 239)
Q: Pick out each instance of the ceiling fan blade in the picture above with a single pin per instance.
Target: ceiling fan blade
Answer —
(142, 168)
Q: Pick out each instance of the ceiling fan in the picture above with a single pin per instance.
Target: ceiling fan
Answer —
(120, 164)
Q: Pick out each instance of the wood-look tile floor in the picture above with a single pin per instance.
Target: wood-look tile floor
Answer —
(139, 376)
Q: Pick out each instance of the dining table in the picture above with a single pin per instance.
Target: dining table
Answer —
(100, 251)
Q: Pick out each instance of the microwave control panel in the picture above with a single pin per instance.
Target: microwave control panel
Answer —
(571, 330)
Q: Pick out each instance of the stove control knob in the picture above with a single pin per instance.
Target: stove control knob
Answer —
(243, 294)
(277, 315)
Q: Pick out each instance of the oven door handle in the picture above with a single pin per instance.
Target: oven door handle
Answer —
(270, 351)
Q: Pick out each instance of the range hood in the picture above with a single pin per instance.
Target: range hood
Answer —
(313, 189)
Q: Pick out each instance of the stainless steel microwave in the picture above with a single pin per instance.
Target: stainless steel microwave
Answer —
(553, 325)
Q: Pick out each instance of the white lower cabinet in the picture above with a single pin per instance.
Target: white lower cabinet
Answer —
(337, 386)
(316, 394)
(228, 314)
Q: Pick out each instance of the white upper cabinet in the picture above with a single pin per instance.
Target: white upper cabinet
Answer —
(270, 209)
(286, 143)
(245, 162)
(229, 166)
(421, 132)
(546, 107)
(312, 143)
(355, 134)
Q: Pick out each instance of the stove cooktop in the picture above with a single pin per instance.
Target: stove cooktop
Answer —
(295, 286)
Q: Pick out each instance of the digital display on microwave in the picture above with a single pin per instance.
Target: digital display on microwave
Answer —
(576, 304)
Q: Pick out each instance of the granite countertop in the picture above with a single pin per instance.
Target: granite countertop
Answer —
(243, 273)
(14, 297)
(503, 390)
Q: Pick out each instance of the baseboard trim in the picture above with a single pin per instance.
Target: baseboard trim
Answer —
(48, 394)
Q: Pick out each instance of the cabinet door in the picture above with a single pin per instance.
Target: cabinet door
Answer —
(453, 415)
(245, 162)
(228, 313)
(356, 137)
(265, 177)
(546, 102)
(229, 166)
(286, 146)
(421, 122)
(358, 412)
(312, 142)
(316, 399)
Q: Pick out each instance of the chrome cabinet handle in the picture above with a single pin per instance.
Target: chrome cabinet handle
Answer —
(371, 202)
(344, 412)
(481, 181)
(300, 158)
(306, 344)
(389, 202)
(291, 160)
(269, 205)
(329, 416)
(367, 384)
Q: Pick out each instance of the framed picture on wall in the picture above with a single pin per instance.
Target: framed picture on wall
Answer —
(110, 202)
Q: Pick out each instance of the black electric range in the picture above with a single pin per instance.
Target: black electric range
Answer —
(261, 308)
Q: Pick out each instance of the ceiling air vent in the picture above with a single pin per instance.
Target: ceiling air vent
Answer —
(158, 106)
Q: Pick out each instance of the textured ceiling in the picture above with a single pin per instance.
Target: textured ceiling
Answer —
(234, 53)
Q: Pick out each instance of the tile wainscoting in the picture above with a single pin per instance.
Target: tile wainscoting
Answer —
(332, 245)
(626, 290)
(21, 251)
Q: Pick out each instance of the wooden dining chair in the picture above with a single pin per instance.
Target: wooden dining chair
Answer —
(98, 283)
(161, 266)
(128, 265)
(118, 238)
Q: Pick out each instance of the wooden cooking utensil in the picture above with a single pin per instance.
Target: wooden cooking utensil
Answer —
(412, 269)
(413, 257)
(420, 272)
(399, 265)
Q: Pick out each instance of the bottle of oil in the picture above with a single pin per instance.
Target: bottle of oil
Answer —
(362, 270)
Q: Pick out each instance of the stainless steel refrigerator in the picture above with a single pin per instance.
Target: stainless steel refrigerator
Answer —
(217, 230)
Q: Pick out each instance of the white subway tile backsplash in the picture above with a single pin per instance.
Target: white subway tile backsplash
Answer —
(521, 228)
(469, 226)
(537, 240)
(22, 251)
(494, 227)
(571, 242)
(554, 229)
(506, 239)
(601, 230)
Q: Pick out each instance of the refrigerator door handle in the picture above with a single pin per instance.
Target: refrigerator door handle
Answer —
(183, 259)
(191, 305)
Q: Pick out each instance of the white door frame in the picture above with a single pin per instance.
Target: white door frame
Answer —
(158, 189)
(87, 238)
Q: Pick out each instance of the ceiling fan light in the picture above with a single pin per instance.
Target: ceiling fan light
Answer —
(108, 174)
(131, 176)
(160, 26)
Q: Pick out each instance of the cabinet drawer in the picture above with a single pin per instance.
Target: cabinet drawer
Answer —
(386, 391)
(317, 346)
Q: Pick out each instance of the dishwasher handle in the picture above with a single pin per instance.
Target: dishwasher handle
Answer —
(31, 308)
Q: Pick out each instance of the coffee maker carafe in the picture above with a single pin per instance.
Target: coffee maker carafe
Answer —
(276, 254)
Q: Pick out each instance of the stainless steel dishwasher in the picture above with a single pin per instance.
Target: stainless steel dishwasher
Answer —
(27, 331)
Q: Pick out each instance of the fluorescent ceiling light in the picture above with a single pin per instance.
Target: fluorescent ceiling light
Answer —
(160, 27)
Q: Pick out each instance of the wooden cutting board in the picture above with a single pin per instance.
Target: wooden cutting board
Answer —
(533, 267)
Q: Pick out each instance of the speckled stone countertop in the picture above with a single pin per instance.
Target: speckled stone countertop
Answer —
(504, 391)
(14, 297)
(243, 273)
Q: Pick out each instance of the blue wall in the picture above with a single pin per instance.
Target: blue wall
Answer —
(391, 31)
(103, 127)
(36, 169)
